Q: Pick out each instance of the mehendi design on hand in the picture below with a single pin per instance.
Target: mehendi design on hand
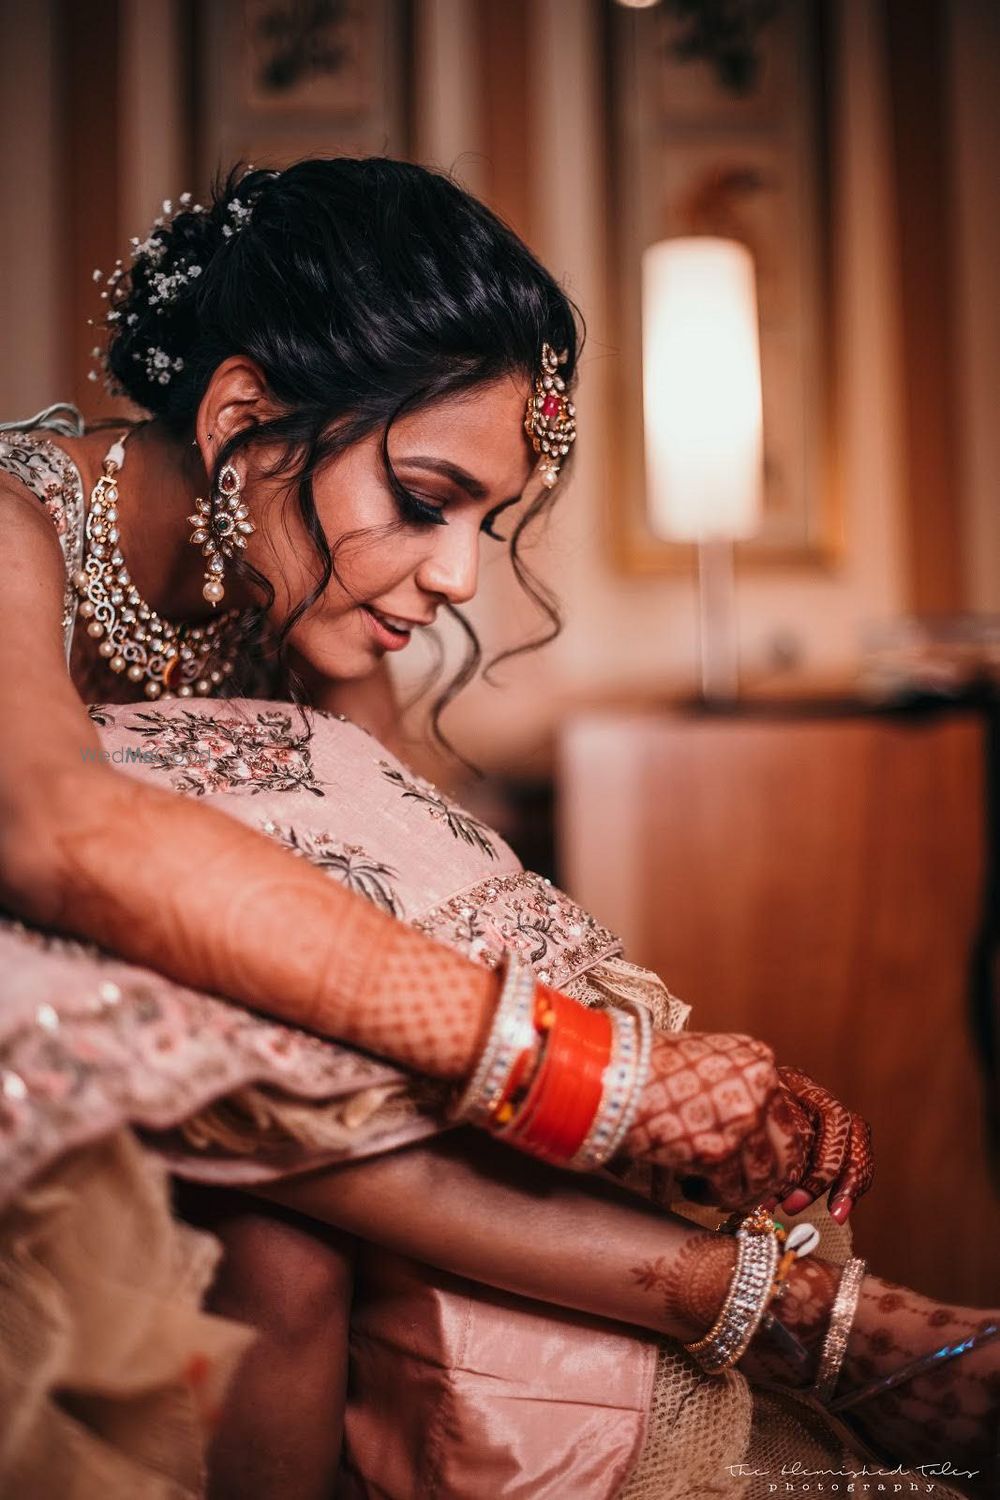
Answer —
(841, 1158)
(715, 1112)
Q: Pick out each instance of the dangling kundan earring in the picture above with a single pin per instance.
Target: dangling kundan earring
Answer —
(220, 526)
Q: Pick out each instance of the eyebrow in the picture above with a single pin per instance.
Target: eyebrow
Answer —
(472, 486)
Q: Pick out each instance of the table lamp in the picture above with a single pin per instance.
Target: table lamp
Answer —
(703, 421)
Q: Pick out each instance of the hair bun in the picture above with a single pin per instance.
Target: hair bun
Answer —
(152, 317)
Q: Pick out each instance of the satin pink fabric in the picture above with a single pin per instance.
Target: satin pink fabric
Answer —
(457, 1391)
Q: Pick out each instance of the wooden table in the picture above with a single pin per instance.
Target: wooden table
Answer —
(817, 875)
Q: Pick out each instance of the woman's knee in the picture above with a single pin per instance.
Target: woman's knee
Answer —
(286, 1275)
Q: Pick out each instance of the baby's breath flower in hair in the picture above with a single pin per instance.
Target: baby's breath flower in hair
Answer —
(165, 266)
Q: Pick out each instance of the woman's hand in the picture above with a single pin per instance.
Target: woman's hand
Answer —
(717, 1114)
(840, 1160)
(736, 1129)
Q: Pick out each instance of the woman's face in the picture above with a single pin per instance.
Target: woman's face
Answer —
(467, 458)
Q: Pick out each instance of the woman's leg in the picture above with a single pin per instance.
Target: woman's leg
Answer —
(474, 1209)
(280, 1431)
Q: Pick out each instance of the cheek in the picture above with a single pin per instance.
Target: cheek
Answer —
(372, 568)
(366, 566)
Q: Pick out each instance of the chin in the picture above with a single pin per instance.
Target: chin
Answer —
(325, 656)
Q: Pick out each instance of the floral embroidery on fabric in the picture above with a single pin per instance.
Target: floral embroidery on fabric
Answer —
(352, 865)
(525, 912)
(124, 1043)
(52, 476)
(228, 752)
(89, 1041)
(462, 824)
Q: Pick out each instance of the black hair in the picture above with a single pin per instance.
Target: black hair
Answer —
(363, 289)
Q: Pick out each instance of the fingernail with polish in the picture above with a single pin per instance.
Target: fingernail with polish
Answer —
(797, 1201)
(840, 1208)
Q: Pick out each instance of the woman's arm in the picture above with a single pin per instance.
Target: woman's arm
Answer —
(473, 1208)
(179, 887)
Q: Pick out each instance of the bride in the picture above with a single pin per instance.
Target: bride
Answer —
(357, 350)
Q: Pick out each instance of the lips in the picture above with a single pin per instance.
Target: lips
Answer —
(391, 631)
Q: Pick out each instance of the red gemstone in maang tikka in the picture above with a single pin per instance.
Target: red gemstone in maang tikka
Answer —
(550, 419)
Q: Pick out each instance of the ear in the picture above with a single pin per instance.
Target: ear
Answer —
(235, 397)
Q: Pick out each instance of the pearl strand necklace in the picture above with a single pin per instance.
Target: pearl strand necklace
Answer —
(132, 637)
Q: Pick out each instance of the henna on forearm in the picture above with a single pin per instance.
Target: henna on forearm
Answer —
(691, 1283)
(803, 1306)
(181, 888)
(951, 1410)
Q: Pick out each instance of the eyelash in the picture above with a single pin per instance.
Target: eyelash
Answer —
(421, 514)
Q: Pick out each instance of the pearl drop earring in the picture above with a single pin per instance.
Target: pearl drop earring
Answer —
(220, 526)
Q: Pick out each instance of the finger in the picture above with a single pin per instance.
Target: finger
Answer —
(833, 1124)
(857, 1176)
(791, 1132)
(761, 1164)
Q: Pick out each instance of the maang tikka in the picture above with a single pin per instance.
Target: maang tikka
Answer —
(550, 419)
(220, 527)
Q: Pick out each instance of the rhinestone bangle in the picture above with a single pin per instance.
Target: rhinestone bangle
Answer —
(624, 1080)
(749, 1293)
(845, 1305)
(512, 1032)
(640, 1077)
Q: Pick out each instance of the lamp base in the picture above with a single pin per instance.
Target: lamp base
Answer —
(718, 646)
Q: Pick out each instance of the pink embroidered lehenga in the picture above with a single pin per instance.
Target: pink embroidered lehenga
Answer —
(112, 1077)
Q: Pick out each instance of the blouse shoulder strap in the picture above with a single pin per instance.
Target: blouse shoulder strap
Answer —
(45, 469)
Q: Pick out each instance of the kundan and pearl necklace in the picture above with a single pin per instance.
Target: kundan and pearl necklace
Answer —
(133, 638)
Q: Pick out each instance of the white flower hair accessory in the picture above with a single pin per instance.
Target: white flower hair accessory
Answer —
(164, 286)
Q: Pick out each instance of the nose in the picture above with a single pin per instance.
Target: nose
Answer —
(451, 568)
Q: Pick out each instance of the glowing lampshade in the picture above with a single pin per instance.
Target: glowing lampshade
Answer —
(701, 390)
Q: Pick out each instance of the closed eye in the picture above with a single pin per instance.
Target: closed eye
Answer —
(421, 511)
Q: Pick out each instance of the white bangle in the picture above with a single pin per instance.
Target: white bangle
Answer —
(845, 1306)
(512, 1032)
(624, 1080)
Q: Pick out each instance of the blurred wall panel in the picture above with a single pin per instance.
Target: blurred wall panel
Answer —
(925, 211)
(157, 119)
(89, 178)
(34, 368)
(448, 72)
(974, 57)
